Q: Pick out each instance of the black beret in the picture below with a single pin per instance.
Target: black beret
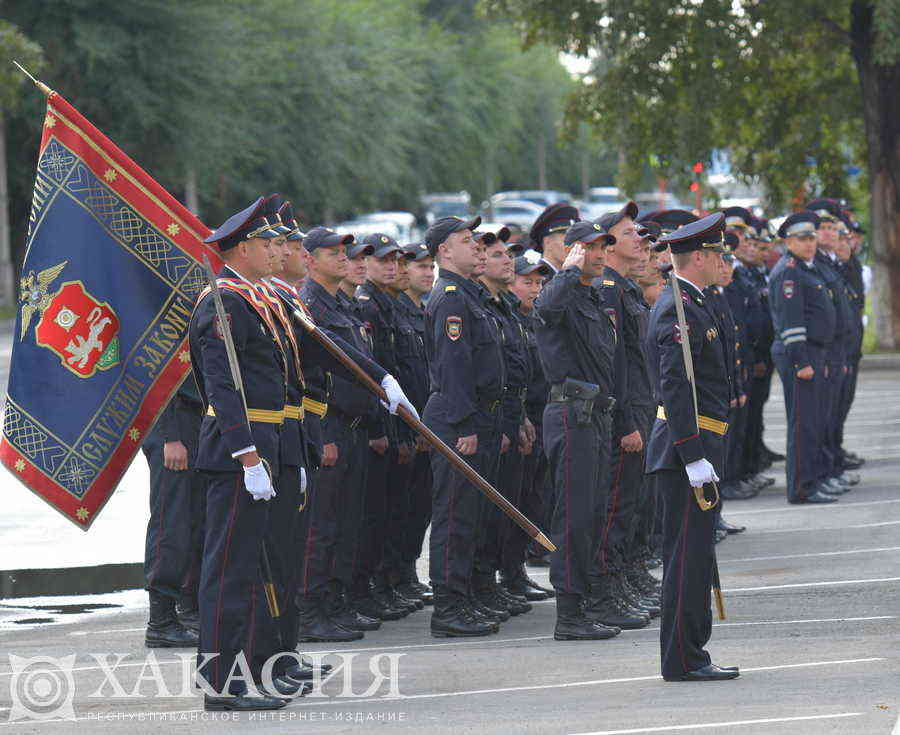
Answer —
(245, 225)
(555, 218)
(704, 234)
(441, 229)
(587, 232)
(799, 223)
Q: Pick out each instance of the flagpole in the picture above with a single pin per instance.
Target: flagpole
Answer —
(40, 85)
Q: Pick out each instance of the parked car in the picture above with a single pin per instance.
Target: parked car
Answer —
(404, 221)
(359, 228)
(513, 212)
(542, 197)
(652, 200)
(439, 205)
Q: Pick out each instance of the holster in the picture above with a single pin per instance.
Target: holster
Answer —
(583, 396)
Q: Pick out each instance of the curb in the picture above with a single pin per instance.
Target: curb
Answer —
(71, 580)
(881, 361)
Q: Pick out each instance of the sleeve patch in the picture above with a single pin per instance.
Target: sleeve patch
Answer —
(788, 289)
(453, 327)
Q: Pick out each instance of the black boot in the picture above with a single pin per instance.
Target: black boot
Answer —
(346, 616)
(516, 604)
(452, 618)
(572, 625)
(520, 584)
(305, 670)
(490, 604)
(371, 607)
(608, 609)
(163, 628)
(315, 626)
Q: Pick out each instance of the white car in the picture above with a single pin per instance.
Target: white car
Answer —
(514, 212)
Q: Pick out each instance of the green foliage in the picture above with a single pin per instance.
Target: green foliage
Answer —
(772, 82)
(13, 84)
(342, 106)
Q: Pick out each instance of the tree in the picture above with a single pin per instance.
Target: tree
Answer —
(796, 91)
(13, 45)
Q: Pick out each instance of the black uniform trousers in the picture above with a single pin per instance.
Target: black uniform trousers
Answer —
(579, 464)
(639, 542)
(499, 530)
(733, 469)
(418, 505)
(230, 578)
(335, 507)
(456, 505)
(383, 515)
(830, 397)
(753, 437)
(688, 538)
(848, 393)
(285, 551)
(174, 545)
(803, 402)
(532, 470)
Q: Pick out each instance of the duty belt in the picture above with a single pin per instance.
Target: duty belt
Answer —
(705, 422)
(577, 390)
(259, 415)
(316, 407)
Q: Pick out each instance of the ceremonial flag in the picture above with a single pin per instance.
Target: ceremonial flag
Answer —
(111, 273)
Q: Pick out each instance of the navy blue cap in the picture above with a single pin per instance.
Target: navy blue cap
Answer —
(669, 220)
(611, 219)
(245, 225)
(416, 251)
(325, 237)
(382, 245)
(799, 223)
(827, 209)
(356, 248)
(441, 229)
(587, 232)
(557, 217)
(739, 217)
(704, 234)
(525, 266)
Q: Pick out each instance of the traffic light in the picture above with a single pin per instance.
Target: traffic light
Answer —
(698, 167)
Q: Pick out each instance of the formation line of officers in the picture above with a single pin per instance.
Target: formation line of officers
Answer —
(555, 370)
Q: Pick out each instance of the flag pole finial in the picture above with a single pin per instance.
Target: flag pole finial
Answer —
(40, 85)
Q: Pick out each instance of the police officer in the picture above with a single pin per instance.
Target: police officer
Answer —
(467, 373)
(627, 444)
(576, 341)
(548, 233)
(804, 316)
(686, 450)
(413, 366)
(536, 498)
(174, 546)
(231, 452)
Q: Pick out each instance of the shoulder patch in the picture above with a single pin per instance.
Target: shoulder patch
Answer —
(448, 289)
(788, 289)
(453, 327)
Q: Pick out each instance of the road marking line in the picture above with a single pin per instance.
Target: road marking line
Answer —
(733, 723)
(815, 584)
(573, 684)
(826, 528)
(805, 507)
(896, 730)
(806, 556)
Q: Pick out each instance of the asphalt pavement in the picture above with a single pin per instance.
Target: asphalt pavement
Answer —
(812, 595)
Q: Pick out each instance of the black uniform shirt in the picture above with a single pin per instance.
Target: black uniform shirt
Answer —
(612, 290)
(638, 378)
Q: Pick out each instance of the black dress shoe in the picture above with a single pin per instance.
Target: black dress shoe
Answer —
(819, 497)
(737, 490)
(242, 703)
(724, 525)
(286, 687)
(305, 671)
(853, 464)
(710, 672)
(849, 478)
(831, 486)
(720, 535)
(774, 456)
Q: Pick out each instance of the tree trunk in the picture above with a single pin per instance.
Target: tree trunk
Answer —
(881, 112)
(7, 271)
(191, 200)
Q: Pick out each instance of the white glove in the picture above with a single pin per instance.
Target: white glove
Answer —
(258, 482)
(396, 396)
(700, 472)
(302, 480)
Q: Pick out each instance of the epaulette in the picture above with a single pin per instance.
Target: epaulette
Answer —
(363, 297)
(448, 289)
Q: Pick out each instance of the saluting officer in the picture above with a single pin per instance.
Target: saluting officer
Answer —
(804, 315)
(576, 341)
(684, 456)
(231, 453)
(467, 370)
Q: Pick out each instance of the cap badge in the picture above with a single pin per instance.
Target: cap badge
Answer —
(383, 239)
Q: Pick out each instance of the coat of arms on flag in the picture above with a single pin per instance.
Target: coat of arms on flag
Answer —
(111, 274)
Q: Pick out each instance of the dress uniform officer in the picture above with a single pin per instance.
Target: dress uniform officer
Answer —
(627, 444)
(686, 450)
(388, 459)
(536, 498)
(414, 375)
(804, 315)
(174, 546)
(230, 451)
(549, 231)
(467, 374)
(576, 341)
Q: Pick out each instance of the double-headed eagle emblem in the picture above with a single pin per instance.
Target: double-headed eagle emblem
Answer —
(35, 296)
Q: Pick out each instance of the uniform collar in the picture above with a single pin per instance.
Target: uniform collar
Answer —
(227, 268)
(316, 289)
(698, 292)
